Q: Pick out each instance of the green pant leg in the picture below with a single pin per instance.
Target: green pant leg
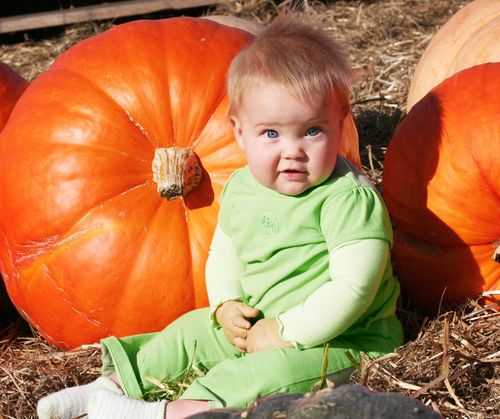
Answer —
(119, 356)
(238, 382)
(191, 339)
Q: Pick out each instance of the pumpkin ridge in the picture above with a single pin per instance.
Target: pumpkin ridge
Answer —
(71, 303)
(212, 112)
(217, 103)
(208, 146)
(52, 248)
(166, 84)
(110, 150)
(100, 203)
(208, 154)
(168, 99)
(65, 235)
(207, 106)
(188, 293)
(138, 254)
(111, 99)
(25, 253)
(145, 184)
(192, 246)
(153, 216)
(119, 34)
(140, 128)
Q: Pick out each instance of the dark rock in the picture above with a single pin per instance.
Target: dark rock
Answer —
(225, 413)
(351, 401)
(272, 407)
(357, 402)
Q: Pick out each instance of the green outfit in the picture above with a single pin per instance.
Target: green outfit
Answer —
(283, 246)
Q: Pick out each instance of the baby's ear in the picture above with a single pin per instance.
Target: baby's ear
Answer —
(236, 124)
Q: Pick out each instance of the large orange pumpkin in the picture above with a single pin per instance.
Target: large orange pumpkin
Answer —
(442, 187)
(12, 86)
(88, 246)
(469, 38)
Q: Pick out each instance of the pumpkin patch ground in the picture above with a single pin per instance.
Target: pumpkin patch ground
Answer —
(451, 361)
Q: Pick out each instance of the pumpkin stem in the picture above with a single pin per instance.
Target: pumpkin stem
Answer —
(176, 171)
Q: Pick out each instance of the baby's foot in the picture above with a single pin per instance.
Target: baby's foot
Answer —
(104, 404)
(72, 402)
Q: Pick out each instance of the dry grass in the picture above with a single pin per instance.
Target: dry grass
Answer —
(31, 57)
(453, 365)
(451, 362)
(30, 369)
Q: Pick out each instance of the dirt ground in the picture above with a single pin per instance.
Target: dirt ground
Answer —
(385, 39)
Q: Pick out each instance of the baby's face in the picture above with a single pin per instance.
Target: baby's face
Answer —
(290, 145)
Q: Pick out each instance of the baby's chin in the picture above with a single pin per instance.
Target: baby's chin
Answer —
(292, 188)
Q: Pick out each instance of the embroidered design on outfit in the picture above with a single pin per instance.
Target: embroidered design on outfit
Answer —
(270, 224)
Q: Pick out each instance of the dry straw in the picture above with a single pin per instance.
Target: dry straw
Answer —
(452, 365)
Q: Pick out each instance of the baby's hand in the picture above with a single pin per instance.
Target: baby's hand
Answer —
(264, 335)
(232, 316)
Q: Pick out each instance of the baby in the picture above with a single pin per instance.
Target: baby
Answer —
(300, 256)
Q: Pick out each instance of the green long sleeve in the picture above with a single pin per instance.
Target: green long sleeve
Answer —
(356, 271)
(222, 271)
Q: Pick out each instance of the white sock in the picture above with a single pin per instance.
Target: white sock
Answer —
(72, 401)
(107, 405)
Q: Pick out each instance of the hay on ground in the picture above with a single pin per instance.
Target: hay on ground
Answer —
(30, 369)
(453, 365)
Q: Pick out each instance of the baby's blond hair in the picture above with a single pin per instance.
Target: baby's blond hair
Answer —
(296, 55)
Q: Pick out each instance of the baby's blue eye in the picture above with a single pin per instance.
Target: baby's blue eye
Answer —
(313, 131)
(271, 134)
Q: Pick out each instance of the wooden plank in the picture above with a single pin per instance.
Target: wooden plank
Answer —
(97, 12)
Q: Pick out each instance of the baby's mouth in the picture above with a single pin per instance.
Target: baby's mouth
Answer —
(294, 174)
(293, 171)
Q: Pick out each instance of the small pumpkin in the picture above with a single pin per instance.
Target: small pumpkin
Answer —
(470, 37)
(441, 184)
(89, 246)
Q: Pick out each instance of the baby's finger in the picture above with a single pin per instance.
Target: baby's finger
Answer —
(241, 322)
(239, 332)
(240, 343)
(229, 335)
(248, 311)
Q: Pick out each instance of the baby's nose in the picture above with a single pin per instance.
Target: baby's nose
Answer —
(292, 150)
